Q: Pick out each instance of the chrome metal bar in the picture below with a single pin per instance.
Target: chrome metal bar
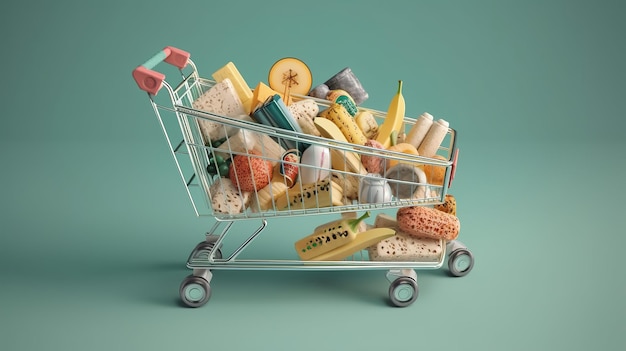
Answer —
(248, 241)
(227, 264)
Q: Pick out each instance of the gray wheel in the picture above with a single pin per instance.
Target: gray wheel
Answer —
(202, 250)
(460, 262)
(403, 291)
(195, 291)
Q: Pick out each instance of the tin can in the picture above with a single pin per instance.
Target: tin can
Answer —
(289, 166)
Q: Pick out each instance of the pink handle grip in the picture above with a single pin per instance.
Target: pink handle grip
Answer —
(151, 81)
(453, 170)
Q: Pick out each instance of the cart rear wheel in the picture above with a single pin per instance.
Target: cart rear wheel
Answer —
(195, 291)
(460, 262)
(403, 291)
(203, 249)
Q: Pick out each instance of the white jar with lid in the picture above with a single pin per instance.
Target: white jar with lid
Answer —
(374, 189)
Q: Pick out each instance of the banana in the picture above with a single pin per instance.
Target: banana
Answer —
(329, 129)
(367, 123)
(264, 198)
(324, 193)
(349, 184)
(338, 114)
(360, 242)
(329, 236)
(348, 162)
(342, 160)
(394, 118)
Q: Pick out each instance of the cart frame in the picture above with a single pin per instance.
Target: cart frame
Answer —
(178, 121)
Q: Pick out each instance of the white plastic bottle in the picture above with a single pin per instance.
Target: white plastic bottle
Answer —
(433, 139)
(419, 129)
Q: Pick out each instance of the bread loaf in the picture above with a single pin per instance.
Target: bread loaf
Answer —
(448, 206)
(226, 198)
(424, 222)
(221, 99)
(402, 246)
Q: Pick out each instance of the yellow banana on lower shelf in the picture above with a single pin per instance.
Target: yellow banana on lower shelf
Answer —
(329, 236)
(360, 242)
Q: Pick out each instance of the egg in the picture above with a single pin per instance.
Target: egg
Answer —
(314, 164)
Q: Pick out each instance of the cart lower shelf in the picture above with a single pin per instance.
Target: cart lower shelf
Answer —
(195, 289)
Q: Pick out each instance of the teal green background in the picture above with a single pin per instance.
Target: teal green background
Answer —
(96, 227)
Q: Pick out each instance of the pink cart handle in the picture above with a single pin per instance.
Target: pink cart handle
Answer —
(151, 81)
(453, 170)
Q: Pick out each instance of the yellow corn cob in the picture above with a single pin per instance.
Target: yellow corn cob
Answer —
(340, 116)
(342, 97)
(328, 237)
(394, 118)
(324, 193)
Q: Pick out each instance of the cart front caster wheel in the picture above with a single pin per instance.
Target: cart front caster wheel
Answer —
(403, 291)
(460, 262)
(195, 291)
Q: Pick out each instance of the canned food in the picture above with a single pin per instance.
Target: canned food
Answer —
(289, 166)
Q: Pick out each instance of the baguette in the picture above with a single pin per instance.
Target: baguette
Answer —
(424, 222)
(403, 247)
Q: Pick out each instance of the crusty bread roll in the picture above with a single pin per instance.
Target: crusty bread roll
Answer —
(448, 206)
(402, 246)
(425, 222)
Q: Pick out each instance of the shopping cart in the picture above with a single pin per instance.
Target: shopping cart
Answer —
(196, 156)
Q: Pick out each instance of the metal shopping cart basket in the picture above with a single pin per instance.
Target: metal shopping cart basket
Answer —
(205, 167)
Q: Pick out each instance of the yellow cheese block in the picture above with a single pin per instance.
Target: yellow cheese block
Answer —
(261, 93)
(324, 193)
(231, 72)
(362, 241)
